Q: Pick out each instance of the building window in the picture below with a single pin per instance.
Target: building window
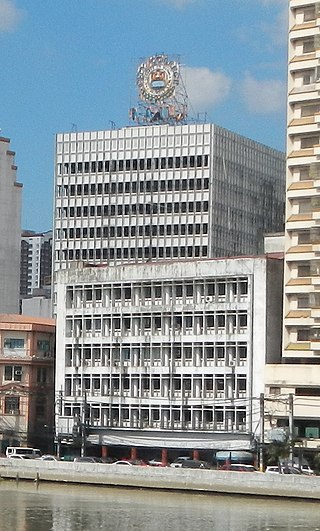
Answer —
(41, 375)
(13, 343)
(43, 345)
(12, 405)
(13, 373)
(308, 46)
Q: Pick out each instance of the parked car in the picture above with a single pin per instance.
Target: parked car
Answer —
(305, 469)
(155, 462)
(195, 463)
(239, 467)
(123, 463)
(87, 459)
(282, 470)
(19, 456)
(177, 463)
(48, 458)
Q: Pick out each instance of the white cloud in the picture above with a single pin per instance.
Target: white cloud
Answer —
(277, 30)
(264, 97)
(10, 15)
(205, 88)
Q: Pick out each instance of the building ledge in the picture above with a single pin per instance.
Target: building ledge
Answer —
(305, 25)
(298, 346)
(301, 185)
(297, 314)
(300, 248)
(304, 57)
(300, 217)
(301, 153)
(302, 121)
(299, 282)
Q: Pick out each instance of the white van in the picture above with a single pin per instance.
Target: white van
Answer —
(32, 453)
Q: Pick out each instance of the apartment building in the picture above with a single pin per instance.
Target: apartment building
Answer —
(10, 227)
(166, 355)
(36, 262)
(300, 373)
(26, 381)
(159, 192)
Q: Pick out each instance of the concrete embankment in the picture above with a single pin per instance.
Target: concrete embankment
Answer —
(183, 479)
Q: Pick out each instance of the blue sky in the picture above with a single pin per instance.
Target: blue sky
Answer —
(66, 62)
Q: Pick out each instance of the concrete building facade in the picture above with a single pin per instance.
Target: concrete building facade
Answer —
(163, 192)
(166, 355)
(36, 262)
(299, 373)
(10, 229)
(26, 381)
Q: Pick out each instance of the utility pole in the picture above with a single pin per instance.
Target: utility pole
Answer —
(291, 428)
(261, 463)
(57, 417)
(84, 426)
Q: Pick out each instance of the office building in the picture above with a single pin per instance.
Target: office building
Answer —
(10, 228)
(167, 355)
(159, 336)
(159, 192)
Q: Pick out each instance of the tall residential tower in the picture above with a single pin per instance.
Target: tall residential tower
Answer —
(10, 220)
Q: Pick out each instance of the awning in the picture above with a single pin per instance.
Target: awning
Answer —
(185, 440)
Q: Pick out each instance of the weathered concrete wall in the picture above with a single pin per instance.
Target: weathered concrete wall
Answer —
(257, 484)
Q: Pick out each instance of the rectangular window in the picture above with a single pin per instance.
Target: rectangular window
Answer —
(12, 405)
(41, 375)
(13, 343)
(309, 142)
(308, 46)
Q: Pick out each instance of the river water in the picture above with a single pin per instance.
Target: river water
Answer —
(49, 507)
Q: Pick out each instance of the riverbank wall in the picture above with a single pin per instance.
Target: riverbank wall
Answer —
(176, 479)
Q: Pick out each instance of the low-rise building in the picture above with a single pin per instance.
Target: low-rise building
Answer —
(26, 381)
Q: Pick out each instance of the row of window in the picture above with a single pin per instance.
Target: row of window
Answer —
(13, 406)
(123, 253)
(230, 323)
(133, 187)
(161, 386)
(199, 291)
(190, 161)
(229, 353)
(196, 417)
(181, 207)
(13, 343)
(13, 373)
(133, 230)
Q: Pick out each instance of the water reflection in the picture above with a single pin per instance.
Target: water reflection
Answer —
(26, 507)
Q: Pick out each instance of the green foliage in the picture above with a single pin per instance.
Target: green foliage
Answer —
(277, 451)
(316, 461)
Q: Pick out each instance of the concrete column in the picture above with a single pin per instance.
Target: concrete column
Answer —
(195, 454)
(164, 456)
(134, 453)
(104, 452)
